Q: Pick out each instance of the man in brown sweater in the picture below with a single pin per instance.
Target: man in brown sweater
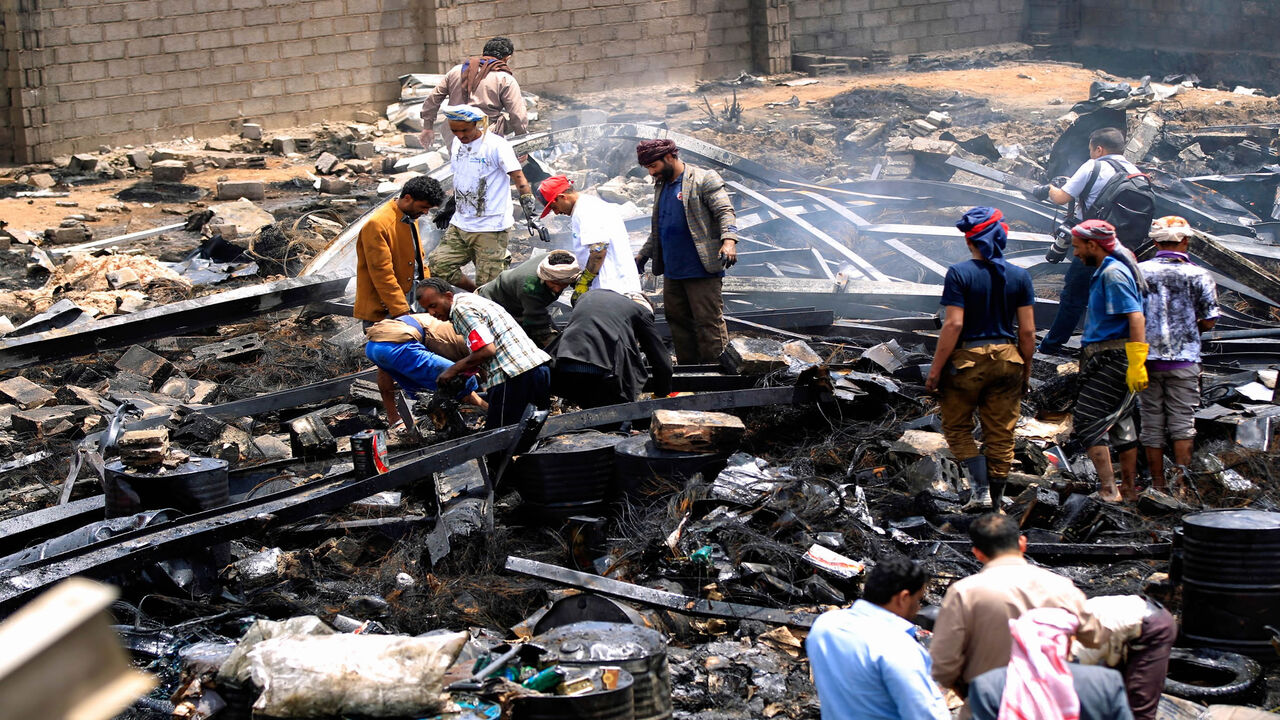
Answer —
(389, 252)
(971, 635)
(485, 82)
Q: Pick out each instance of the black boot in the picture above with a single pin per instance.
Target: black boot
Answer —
(997, 494)
(980, 495)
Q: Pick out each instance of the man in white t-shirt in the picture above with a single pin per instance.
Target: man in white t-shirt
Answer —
(484, 168)
(1106, 144)
(597, 227)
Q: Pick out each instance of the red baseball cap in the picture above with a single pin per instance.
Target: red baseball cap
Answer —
(552, 188)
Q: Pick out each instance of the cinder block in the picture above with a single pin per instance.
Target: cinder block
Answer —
(248, 189)
(335, 186)
(168, 171)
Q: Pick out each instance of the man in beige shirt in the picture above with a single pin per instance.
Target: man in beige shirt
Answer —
(971, 635)
(485, 82)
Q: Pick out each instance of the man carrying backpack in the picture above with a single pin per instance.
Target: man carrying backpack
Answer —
(1106, 187)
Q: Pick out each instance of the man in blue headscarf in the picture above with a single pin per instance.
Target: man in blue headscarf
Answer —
(980, 363)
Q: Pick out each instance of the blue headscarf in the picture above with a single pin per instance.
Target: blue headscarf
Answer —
(984, 227)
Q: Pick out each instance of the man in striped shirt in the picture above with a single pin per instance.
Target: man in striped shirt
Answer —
(1113, 365)
(512, 369)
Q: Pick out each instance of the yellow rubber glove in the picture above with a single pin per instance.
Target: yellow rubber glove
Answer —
(584, 284)
(1136, 376)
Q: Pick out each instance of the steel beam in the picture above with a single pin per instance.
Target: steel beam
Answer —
(171, 319)
(293, 397)
(862, 267)
(825, 294)
(652, 597)
(862, 226)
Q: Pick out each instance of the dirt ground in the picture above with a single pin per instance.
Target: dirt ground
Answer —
(1027, 92)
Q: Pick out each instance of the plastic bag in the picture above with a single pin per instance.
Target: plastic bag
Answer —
(373, 675)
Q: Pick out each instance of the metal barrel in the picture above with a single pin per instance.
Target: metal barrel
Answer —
(197, 484)
(1231, 580)
(639, 650)
(645, 469)
(615, 704)
(567, 475)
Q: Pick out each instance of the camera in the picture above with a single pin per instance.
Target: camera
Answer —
(1061, 241)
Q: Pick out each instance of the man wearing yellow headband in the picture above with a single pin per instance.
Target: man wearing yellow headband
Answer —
(1182, 303)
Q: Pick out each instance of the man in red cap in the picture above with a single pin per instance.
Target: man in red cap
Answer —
(693, 239)
(600, 240)
(1113, 365)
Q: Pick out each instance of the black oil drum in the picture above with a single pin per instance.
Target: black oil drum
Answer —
(645, 469)
(567, 475)
(615, 704)
(197, 484)
(639, 650)
(1231, 580)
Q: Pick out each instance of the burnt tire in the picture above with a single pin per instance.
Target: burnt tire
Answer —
(1226, 676)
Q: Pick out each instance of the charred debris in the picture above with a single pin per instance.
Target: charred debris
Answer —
(187, 413)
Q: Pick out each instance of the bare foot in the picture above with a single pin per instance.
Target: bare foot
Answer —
(1110, 497)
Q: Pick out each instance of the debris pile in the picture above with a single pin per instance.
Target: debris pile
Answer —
(723, 519)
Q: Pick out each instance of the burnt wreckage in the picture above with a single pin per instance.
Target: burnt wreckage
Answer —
(833, 305)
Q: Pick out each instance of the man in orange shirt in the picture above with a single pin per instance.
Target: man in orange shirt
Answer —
(389, 253)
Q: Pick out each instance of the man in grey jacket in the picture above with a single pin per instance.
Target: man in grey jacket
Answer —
(694, 238)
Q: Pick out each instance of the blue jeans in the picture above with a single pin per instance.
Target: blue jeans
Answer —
(1071, 306)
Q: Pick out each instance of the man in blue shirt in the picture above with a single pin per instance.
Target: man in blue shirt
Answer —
(866, 661)
(693, 238)
(1113, 365)
(980, 364)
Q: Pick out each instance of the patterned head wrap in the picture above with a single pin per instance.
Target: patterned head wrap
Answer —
(1170, 229)
(651, 151)
(1099, 231)
(562, 272)
(464, 113)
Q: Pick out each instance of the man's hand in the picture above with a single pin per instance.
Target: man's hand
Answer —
(729, 252)
(447, 375)
(931, 382)
(641, 261)
(427, 136)
(1041, 192)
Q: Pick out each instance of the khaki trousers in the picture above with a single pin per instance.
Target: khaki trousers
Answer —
(695, 314)
(988, 379)
(488, 250)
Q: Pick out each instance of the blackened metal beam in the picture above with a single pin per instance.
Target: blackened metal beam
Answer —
(861, 266)
(282, 399)
(171, 319)
(861, 226)
(653, 597)
(828, 295)
(1004, 178)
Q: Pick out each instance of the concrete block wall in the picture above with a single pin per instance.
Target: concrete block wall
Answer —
(1183, 25)
(136, 71)
(7, 81)
(857, 27)
(589, 45)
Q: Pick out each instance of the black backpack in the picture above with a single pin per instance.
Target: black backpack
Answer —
(1127, 201)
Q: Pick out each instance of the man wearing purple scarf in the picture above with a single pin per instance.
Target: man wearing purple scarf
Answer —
(980, 363)
(1182, 303)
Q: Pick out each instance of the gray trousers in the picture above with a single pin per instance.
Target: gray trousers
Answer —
(1169, 404)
